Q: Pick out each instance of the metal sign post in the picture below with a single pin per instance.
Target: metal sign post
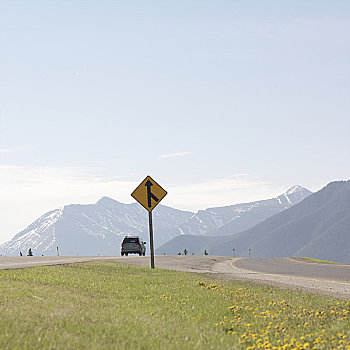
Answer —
(149, 193)
(151, 238)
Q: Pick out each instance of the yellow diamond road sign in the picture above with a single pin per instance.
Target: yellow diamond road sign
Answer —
(149, 193)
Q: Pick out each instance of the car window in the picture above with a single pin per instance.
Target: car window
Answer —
(131, 240)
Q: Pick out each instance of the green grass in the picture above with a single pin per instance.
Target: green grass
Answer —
(317, 260)
(107, 305)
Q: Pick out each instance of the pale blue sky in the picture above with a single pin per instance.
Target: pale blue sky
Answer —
(249, 98)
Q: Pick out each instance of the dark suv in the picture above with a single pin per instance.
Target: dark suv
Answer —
(133, 245)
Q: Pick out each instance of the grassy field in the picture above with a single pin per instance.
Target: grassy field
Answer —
(107, 305)
(305, 259)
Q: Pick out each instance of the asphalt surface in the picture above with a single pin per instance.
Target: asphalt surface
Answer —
(296, 268)
(332, 279)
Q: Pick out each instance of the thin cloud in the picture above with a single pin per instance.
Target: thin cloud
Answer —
(173, 155)
(6, 150)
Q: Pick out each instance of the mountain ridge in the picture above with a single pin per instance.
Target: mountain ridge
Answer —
(92, 229)
(316, 227)
(238, 217)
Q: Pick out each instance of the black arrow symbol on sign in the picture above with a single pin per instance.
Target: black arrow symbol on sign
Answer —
(150, 195)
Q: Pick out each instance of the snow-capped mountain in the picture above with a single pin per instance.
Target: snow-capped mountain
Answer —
(92, 229)
(99, 228)
(317, 227)
(235, 218)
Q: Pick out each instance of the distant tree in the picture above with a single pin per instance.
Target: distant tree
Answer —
(179, 253)
(205, 252)
(185, 251)
(30, 253)
(20, 254)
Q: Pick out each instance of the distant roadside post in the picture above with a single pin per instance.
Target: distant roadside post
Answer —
(149, 193)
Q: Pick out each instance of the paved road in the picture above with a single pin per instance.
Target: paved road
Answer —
(296, 268)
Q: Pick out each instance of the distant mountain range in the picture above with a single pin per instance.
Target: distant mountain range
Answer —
(235, 218)
(91, 229)
(99, 228)
(318, 226)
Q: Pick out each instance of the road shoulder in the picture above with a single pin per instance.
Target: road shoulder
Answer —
(227, 270)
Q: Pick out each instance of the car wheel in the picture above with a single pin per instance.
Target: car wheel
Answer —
(143, 254)
(122, 254)
(126, 254)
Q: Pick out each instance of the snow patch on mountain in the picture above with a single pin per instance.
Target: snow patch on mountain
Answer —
(294, 189)
(39, 235)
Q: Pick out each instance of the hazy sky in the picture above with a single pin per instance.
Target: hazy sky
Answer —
(221, 102)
